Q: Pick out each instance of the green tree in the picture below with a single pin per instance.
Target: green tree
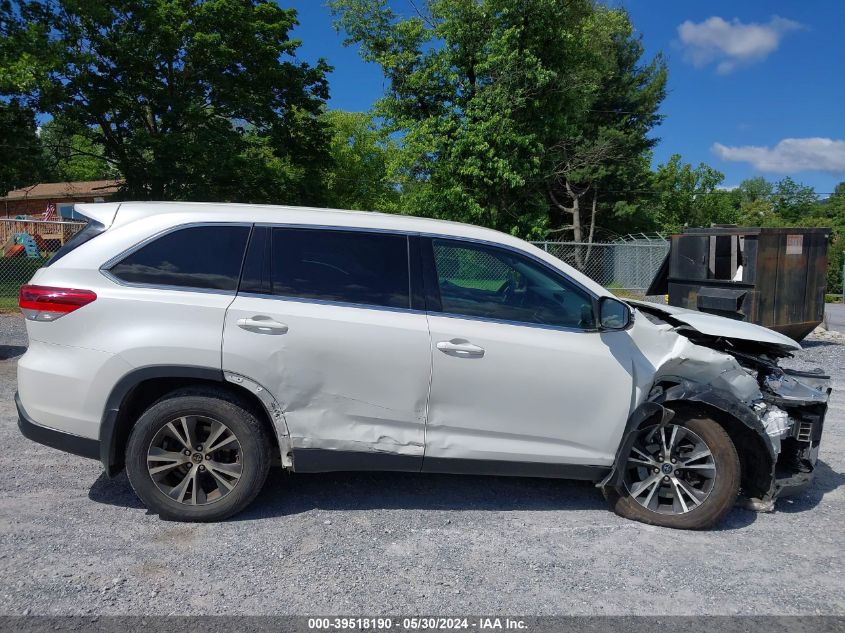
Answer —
(755, 202)
(691, 196)
(184, 96)
(784, 203)
(363, 164)
(20, 147)
(501, 105)
(793, 201)
(22, 160)
(73, 157)
(607, 159)
(831, 212)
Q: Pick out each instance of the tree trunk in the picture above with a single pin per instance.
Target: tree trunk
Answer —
(592, 227)
(577, 225)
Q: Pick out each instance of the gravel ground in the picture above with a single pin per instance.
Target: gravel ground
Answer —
(73, 542)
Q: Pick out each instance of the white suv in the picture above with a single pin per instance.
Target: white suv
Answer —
(194, 344)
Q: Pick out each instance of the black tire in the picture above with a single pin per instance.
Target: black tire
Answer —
(253, 454)
(721, 497)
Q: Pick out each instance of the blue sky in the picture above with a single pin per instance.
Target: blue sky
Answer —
(755, 88)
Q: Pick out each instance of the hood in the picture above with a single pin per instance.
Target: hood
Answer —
(719, 327)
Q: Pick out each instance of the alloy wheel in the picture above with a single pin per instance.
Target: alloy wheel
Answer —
(195, 460)
(670, 469)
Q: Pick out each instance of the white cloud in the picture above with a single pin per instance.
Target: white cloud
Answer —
(732, 44)
(789, 155)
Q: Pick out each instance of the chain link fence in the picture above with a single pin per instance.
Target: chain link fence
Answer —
(26, 246)
(625, 268)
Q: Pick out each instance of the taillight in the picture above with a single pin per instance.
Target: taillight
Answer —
(45, 303)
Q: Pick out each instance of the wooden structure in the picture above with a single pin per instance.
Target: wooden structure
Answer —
(50, 235)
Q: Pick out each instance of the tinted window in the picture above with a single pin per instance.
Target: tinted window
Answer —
(195, 257)
(255, 277)
(494, 283)
(365, 268)
(88, 232)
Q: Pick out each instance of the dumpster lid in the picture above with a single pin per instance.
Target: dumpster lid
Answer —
(714, 325)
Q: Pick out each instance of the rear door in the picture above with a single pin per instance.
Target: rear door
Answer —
(324, 320)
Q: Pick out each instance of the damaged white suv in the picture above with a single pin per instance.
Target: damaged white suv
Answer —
(194, 344)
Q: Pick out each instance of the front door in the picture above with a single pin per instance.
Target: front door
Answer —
(323, 321)
(520, 375)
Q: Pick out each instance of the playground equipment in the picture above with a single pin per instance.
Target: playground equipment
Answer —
(22, 243)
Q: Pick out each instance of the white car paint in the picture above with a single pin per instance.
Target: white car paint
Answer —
(714, 325)
(533, 396)
(347, 378)
(658, 352)
(355, 378)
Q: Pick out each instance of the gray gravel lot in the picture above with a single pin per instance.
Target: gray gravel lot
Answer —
(74, 542)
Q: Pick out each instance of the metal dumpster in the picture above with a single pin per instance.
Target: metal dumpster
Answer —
(773, 277)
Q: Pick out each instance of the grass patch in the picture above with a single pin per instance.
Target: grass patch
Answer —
(14, 272)
(478, 284)
(8, 304)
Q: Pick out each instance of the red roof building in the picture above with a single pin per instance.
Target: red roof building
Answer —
(33, 200)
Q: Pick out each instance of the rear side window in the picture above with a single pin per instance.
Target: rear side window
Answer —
(88, 232)
(205, 257)
(344, 266)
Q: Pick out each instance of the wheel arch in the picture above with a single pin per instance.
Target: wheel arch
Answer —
(140, 388)
(756, 455)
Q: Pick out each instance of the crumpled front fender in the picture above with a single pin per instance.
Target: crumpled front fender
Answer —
(659, 409)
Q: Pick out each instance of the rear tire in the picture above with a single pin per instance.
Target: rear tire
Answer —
(197, 455)
(698, 490)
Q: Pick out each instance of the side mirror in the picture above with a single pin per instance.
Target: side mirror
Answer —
(614, 314)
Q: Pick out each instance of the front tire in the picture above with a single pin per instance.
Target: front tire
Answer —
(683, 475)
(197, 455)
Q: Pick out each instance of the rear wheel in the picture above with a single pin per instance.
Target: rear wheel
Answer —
(197, 455)
(683, 475)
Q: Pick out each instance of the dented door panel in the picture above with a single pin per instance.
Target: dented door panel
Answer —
(348, 378)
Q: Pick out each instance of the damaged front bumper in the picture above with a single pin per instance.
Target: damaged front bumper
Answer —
(778, 435)
(774, 416)
(794, 407)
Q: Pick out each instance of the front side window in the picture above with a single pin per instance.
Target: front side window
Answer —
(205, 257)
(344, 266)
(494, 283)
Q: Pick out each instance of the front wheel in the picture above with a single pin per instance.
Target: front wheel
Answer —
(197, 455)
(684, 475)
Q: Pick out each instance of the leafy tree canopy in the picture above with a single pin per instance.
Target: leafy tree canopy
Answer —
(362, 173)
(501, 105)
(71, 157)
(690, 196)
(22, 160)
(183, 96)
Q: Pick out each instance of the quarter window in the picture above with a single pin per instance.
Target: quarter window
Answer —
(344, 266)
(207, 257)
(489, 282)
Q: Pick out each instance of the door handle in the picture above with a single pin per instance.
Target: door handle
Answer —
(264, 325)
(460, 348)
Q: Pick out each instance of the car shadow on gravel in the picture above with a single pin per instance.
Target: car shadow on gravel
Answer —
(114, 492)
(807, 344)
(11, 351)
(825, 480)
(287, 494)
